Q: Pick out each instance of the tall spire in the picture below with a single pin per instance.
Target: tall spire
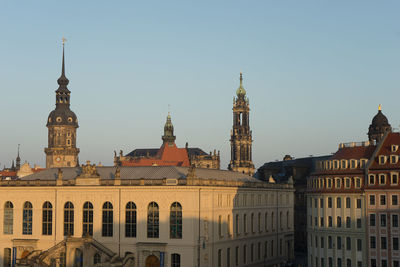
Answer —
(63, 81)
(18, 160)
(240, 92)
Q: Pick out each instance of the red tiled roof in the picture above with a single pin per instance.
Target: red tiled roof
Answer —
(356, 152)
(386, 150)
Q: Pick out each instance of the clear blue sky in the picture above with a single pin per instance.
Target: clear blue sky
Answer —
(314, 71)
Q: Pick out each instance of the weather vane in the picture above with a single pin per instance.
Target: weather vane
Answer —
(64, 40)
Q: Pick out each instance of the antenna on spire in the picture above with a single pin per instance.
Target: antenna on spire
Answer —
(63, 65)
(18, 149)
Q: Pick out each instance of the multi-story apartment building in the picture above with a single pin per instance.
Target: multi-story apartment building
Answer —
(353, 207)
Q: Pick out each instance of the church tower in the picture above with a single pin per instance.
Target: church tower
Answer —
(169, 137)
(241, 141)
(62, 124)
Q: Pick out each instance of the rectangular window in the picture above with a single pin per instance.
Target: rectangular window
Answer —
(382, 179)
(339, 242)
(372, 242)
(322, 221)
(347, 183)
(372, 220)
(394, 200)
(348, 203)
(383, 242)
(359, 223)
(244, 254)
(348, 243)
(358, 203)
(358, 183)
(371, 179)
(321, 201)
(383, 199)
(396, 264)
(395, 243)
(237, 256)
(395, 220)
(382, 159)
(373, 262)
(339, 203)
(322, 242)
(219, 258)
(329, 202)
(348, 222)
(395, 178)
(383, 220)
(359, 245)
(228, 257)
(384, 263)
(372, 200)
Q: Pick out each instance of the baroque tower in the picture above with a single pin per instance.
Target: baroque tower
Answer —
(378, 127)
(62, 124)
(169, 137)
(241, 141)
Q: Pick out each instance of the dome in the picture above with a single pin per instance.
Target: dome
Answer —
(62, 116)
(380, 120)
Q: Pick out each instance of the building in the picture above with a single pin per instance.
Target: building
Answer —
(139, 216)
(298, 170)
(241, 140)
(62, 124)
(352, 202)
(169, 154)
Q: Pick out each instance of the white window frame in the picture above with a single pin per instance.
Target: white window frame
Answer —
(343, 164)
(353, 162)
(394, 159)
(391, 178)
(379, 177)
(369, 180)
(382, 159)
(345, 182)
(395, 148)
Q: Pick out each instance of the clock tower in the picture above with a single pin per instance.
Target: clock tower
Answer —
(62, 124)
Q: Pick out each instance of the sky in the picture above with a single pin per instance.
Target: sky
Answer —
(314, 71)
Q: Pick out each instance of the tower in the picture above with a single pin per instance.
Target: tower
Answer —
(241, 141)
(18, 160)
(62, 124)
(169, 137)
(379, 126)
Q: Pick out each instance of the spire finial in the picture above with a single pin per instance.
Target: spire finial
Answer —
(241, 78)
(18, 149)
(380, 107)
(63, 81)
(63, 64)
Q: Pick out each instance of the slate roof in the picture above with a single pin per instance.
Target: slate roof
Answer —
(152, 152)
(146, 172)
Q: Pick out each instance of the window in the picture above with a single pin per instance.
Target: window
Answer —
(358, 203)
(7, 257)
(339, 221)
(348, 263)
(347, 182)
(130, 219)
(395, 263)
(358, 183)
(329, 183)
(338, 203)
(322, 242)
(244, 254)
(322, 221)
(373, 262)
(348, 243)
(219, 257)
(371, 179)
(107, 225)
(175, 260)
(259, 222)
(382, 179)
(252, 253)
(8, 218)
(394, 159)
(330, 221)
(87, 222)
(395, 220)
(329, 202)
(353, 164)
(394, 200)
(348, 222)
(383, 220)
(372, 220)
(339, 242)
(358, 223)
(329, 242)
(395, 243)
(394, 148)
(383, 199)
(372, 242)
(228, 257)
(245, 223)
(27, 214)
(348, 203)
(321, 201)
(68, 219)
(394, 178)
(175, 230)
(47, 218)
(372, 200)
(383, 242)
(338, 183)
(384, 263)
(272, 221)
(237, 223)
(152, 220)
(237, 256)
(339, 262)
(96, 258)
(252, 222)
(343, 164)
(359, 245)
(382, 160)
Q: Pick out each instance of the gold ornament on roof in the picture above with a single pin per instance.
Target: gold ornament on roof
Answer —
(379, 107)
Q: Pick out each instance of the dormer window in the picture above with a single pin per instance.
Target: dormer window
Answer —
(363, 162)
(343, 164)
(335, 164)
(395, 148)
(394, 159)
(371, 179)
(382, 179)
(328, 183)
(353, 163)
(328, 164)
(382, 160)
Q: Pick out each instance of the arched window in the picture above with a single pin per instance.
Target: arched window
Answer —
(87, 229)
(175, 222)
(153, 220)
(47, 218)
(27, 214)
(175, 260)
(107, 229)
(96, 258)
(68, 219)
(8, 218)
(7, 257)
(130, 220)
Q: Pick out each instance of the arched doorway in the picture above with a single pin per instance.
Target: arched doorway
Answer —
(152, 261)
